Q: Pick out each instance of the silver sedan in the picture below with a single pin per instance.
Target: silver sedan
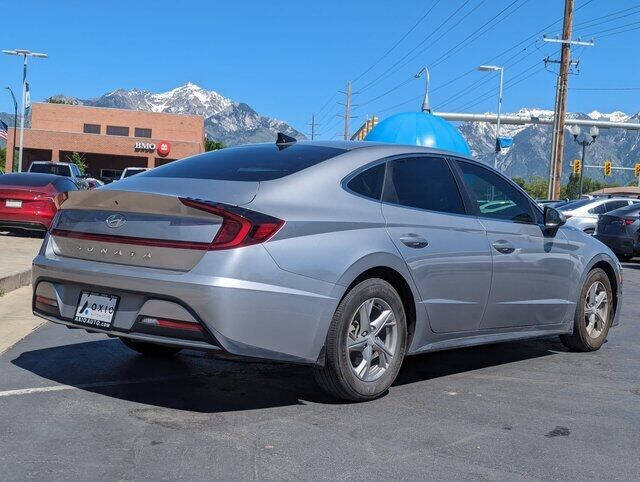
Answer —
(344, 256)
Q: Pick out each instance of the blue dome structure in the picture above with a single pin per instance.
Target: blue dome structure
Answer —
(419, 129)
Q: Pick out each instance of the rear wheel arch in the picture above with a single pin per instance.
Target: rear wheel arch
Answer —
(400, 284)
(611, 274)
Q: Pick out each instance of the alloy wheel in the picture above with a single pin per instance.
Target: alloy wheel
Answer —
(372, 340)
(596, 310)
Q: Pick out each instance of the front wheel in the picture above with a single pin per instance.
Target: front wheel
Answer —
(593, 315)
(366, 343)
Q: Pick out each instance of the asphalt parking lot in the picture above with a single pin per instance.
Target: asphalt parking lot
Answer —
(83, 407)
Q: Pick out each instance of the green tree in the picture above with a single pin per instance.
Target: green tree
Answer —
(537, 187)
(520, 181)
(211, 145)
(54, 100)
(78, 159)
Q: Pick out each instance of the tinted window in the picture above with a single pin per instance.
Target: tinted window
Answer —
(495, 196)
(117, 131)
(425, 183)
(369, 182)
(91, 129)
(262, 162)
(140, 132)
(57, 169)
(599, 209)
(611, 205)
(132, 172)
(632, 210)
(27, 179)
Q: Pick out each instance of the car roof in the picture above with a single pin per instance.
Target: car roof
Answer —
(52, 162)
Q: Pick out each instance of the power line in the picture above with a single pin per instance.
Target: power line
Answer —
(604, 88)
(399, 41)
(433, 32)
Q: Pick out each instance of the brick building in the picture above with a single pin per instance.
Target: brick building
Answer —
(109, 139)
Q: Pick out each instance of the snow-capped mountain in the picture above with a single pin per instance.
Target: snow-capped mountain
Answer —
(225, 120)
(531, 150)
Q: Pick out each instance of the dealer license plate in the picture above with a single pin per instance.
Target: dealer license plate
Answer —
(96, 309)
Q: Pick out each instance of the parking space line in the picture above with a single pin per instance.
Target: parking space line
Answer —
(80, 386)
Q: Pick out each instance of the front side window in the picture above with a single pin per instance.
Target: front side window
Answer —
(496, 197)
(117, 131)
(369, 182)
(424, 183)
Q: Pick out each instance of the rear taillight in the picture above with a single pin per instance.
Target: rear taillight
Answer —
(628, 221)
(240, 227)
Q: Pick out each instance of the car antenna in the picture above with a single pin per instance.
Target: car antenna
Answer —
(284, 140)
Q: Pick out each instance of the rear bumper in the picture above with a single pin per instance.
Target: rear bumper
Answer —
(622, 245)
(24, 220)
(280, 316)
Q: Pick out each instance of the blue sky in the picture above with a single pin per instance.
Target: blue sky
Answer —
(288, 59)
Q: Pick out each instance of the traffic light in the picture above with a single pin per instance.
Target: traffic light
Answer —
(577, 166)
(607, 168)
(636, 169)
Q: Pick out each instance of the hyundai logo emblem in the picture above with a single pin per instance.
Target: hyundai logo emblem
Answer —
(116, 221)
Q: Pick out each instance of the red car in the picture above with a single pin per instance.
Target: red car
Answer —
(29, 201)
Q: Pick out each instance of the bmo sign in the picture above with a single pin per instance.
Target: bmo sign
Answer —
(163, 147)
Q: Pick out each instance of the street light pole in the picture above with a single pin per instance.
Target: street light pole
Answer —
(426, 107)
(24, 54)
(15, 125)
(495, 68)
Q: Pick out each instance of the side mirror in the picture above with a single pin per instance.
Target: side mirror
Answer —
(553, 219)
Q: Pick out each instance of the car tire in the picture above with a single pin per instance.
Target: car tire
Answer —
(593, 315)
(150, 349)
(366, 369)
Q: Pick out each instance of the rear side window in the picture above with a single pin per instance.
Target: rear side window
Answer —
(631, 210)
(424, 183)
(369, 182)
(599, 209)
(262, 162)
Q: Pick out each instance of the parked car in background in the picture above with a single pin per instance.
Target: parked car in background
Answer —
(66, 169)
(620, 230)
(29, 201)
(551, 203)
(345, 256)
(132, 171)
(583, 213)
(94, 183)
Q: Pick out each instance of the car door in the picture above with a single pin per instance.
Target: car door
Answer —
(445, 249)
(530, 270)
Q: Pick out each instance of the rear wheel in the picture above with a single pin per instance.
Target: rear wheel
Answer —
(150, 349)
(593, 314)
(366, 343)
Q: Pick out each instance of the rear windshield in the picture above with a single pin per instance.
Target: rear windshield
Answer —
(51, 169)
(262, 162)
(132, 172)
(26, 179)
(630, 210)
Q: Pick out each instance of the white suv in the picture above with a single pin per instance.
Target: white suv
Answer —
(583, 213)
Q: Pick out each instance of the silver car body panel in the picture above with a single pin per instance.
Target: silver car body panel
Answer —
(276, 299)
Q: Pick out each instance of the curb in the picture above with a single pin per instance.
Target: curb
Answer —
(15, 281)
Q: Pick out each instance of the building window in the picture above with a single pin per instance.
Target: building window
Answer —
(91, 129)
(117, 131)
(142, 132)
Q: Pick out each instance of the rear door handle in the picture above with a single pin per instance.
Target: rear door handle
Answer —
(414, 241)
(504, 247)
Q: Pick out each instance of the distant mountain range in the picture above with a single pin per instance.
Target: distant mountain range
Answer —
(225, 120)
(237, 123)
(531, 149)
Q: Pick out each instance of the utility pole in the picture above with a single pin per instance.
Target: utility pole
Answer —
(557, 146)
(313, 126)
(347, 109)
(15, 127)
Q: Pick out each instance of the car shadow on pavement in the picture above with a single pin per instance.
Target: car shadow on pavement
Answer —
(195, 382)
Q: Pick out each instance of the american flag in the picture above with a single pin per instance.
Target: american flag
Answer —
(3, 130)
